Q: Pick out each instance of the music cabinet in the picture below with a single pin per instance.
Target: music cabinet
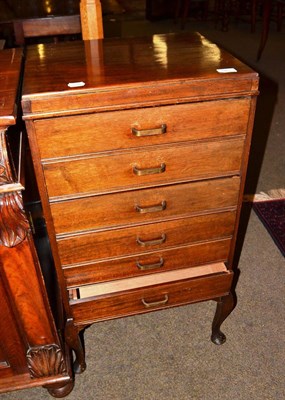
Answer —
(140, 149)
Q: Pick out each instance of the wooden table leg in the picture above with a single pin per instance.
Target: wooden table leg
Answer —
(91, 19)
(225, 306)
(267, 8)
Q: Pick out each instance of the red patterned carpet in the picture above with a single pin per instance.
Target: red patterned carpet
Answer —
(272, 215)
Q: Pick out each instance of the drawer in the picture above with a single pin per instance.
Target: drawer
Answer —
(144, 206)
(143, 168)
(83, 134)
(139, 295)
(149, 263)
(144, 239)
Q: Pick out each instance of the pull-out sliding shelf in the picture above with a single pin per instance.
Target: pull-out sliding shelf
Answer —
(124, 297)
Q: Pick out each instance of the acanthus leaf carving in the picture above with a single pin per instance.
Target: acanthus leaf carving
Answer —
(44, 361)
(5, 170)
(14, 225)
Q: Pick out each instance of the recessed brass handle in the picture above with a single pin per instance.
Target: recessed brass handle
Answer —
(151, 242)
(155, 208)
(155, 303)
(149, 132)
(145, 267)
(149, 171)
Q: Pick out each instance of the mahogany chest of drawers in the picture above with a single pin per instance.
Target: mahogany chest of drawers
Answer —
(140, 148)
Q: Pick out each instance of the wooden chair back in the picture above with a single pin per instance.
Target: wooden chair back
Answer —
(89, 23)
(48, 26)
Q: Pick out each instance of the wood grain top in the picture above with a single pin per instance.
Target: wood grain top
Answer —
(10, 61)
(153, 64)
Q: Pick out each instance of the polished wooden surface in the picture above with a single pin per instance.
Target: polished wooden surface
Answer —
(93, 246)
(115, 63)
(184, 122)
(156, 262)
(91, 19)
(142, 168)
(88, 25)
(12, 349)
(130, 303)
(50, 26)
(119, 209)
(143, 140)
(28, 334)
(9, 79)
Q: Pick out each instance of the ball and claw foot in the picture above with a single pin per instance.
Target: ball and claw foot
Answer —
(218, 338)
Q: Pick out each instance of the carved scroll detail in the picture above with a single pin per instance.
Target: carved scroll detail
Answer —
(5, 170)
(45, 361)
(14, 225)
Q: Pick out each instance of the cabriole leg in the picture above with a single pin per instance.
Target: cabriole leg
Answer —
(225, 306)
(74, 342)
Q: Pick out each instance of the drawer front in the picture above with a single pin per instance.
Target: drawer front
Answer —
(82, 134)
(145, 238)
(143, 264)
(143, 168)
(144, 206)
(149, 299)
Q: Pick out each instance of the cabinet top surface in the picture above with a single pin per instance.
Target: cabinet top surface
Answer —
(10, 61)
(156, 63)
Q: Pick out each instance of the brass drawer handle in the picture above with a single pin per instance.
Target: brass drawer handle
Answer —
(155, 303)
(149, 171)
(155, 208)
(152, 242)
(149, 132)
(146, 267)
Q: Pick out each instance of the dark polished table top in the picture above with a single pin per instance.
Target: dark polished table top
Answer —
(10, 61)
(129, 61)
(112, 70)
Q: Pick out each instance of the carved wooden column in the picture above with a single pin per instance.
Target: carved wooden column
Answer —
(23, 282)
(91, 19)
(30, 348)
